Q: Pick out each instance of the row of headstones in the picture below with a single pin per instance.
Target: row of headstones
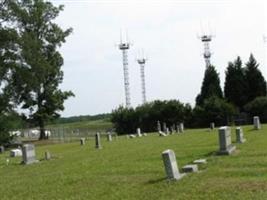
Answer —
(178, 128)
(225, 148)
(98, 140)
(256, 123)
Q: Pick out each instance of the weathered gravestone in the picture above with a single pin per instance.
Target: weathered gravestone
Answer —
(2, 149)
(97, 141)
(256, 122)
(132, 136)
(181, 127)
(177, 128)
(109, 137)
(162, 134)
(28, 154)
(170, 165)
(167, 131)
(212, 125)
(239, 135)
(200, 161)
(15, 152)
(158, 126)
(47, 155)
(82, 141)
(190, 168)
(164, 127)
(225, 143)
(138, 132)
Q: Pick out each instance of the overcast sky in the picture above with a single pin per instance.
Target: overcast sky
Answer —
(167, 31)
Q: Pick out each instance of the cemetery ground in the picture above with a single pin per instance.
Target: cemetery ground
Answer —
(133, 169)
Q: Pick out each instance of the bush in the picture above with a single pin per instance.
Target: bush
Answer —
(214, 110)
(258, 107)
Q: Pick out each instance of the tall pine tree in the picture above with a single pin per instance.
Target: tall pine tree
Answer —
(235, 84)
(256, 84)
(210, 86)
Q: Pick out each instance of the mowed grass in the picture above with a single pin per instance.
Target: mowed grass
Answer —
(133, 169)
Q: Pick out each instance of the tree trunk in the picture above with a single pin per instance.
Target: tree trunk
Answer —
(42, 130)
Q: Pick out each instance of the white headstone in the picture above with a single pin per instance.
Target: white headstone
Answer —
(138, 131)
(181, 127)
(15, 153)
(28, 154)
(162, 134)
(256, 122)
(239, 135)
(109, 137)
(190, 168)
(170, 165)
(82, 141)
(167, 131)
(212, 125)
(225, 142)
(132, 136)
(200, 161)
(158, 126)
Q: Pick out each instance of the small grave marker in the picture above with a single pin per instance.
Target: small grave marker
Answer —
(170, 165)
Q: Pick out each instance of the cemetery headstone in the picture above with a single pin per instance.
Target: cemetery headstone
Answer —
(97, 141)
(190, 168)
(200, 161)
(158, 126)
(239, 135)
(256, 122)
(177, 128)
(28, 154)
(138, 131)
(164, 127)
(47, 155)
(181, 127)
(167, 131)
(170, 164)
(132, 136)
(15, 153)
(225, 142)
(109, 137)
(82, 141)
(212, 125)
(2, 149)
(162, 134)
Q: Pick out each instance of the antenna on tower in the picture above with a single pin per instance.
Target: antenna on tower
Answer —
(141, 60)
(206, 38)
(124, 46)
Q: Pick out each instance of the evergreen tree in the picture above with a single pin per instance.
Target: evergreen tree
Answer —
(210, 86)
(235, 84)
(256, 84)
(36, 80)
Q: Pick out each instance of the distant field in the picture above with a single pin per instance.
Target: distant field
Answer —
(133, 169)
(94, 125)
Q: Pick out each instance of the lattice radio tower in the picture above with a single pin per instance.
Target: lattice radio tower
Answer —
(206, 39)
(142, 61)
(125, 46)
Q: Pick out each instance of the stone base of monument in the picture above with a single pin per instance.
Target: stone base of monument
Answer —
(190, 168)
(230, 149)
(242, 141)
(29, 162)
(200, 161)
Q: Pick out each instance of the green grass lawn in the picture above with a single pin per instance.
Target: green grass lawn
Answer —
(133, 169)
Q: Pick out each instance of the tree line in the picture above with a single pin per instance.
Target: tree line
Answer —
(244, 96)
(30, 63)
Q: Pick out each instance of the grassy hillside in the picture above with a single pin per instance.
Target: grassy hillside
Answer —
(133, 169)
(94, 124)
